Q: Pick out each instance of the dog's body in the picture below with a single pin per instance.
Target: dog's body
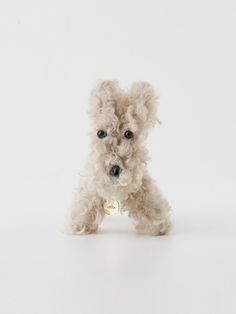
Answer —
(116, 169)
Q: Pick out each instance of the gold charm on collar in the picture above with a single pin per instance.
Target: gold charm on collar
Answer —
(111, 207)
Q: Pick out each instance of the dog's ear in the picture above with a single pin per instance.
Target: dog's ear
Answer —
(143, 103)
(104, 97)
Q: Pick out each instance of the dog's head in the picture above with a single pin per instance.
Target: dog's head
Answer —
(120, 123)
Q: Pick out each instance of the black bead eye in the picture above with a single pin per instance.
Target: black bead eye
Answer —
(129, 134)
(101, 134)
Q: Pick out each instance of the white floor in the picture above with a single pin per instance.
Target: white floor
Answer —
(192, 270)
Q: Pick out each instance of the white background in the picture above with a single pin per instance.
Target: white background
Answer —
(50, 54)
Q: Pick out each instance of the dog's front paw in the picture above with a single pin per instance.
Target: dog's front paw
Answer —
(154, 228)
(80, 228)
(83, 220)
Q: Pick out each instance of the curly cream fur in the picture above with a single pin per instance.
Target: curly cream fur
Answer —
(115, 111)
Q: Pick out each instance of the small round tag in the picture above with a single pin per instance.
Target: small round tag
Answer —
(111, 207)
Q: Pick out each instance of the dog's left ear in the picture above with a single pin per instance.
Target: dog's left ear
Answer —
(143, 101)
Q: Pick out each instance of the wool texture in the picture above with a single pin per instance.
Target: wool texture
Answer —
(116, 111)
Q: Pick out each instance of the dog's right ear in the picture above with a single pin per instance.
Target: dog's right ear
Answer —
(104, 96)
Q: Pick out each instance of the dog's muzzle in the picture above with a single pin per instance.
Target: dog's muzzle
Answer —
(115, 171)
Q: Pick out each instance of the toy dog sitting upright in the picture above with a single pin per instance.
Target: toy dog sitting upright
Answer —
(116, 176)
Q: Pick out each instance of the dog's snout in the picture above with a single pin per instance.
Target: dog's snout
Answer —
(115, 171)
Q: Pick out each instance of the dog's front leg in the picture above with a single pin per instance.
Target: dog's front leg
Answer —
(86, 212)
(148, 209)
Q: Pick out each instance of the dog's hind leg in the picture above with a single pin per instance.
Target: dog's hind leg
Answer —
(148, 209)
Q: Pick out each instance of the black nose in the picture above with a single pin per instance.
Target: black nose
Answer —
(115, 171)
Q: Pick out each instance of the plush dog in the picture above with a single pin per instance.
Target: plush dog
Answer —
(116, 176)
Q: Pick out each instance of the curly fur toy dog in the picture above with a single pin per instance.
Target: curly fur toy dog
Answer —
(116, 169)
